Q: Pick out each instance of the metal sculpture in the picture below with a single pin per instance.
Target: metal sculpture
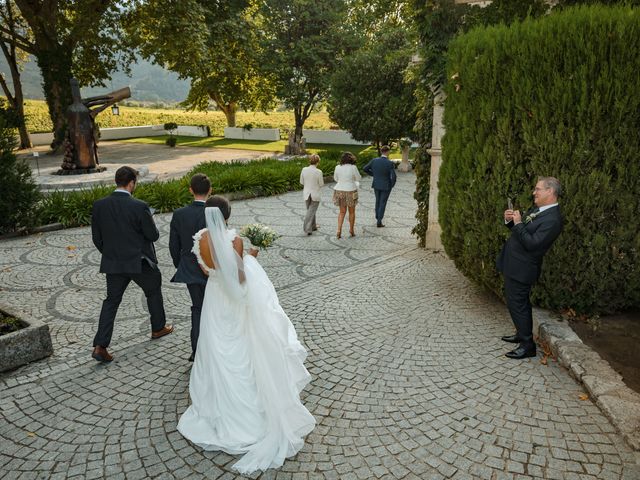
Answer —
(81, 139)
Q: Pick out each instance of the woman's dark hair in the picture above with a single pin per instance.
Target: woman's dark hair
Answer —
(124, 175)
(220, 202)
(347, 157)
(200, 184)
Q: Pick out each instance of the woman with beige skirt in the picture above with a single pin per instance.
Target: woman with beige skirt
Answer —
(345, 192)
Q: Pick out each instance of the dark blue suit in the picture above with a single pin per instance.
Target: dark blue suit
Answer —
(123, 230)
(185, 222)
(384, 178)
(521, 262)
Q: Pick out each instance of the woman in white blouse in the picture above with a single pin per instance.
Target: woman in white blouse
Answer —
(345, 192)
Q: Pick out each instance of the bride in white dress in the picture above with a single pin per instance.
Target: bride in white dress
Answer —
(248, 371)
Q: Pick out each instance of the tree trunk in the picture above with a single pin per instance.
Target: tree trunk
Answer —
(230, 113)
(16, 101)
(25, 140)
(228, 108)
(55, 66)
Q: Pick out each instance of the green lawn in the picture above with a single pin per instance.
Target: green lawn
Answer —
(258, 145)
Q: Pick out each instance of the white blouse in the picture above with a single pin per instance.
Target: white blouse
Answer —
(347, 178)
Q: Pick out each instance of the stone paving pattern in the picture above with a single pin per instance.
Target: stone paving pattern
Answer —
(409, 377)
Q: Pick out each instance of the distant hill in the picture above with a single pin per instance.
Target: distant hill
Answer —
(149, 83)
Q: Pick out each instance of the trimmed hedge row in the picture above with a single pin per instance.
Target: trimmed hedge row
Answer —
(260, 178)
(554, 96)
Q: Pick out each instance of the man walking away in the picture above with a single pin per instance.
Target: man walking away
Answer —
(384, 178)
(123, 230)
(312, 180)
(185, 223)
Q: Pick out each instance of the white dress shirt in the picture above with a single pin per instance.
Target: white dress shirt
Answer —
(346, 177)
(312, 179)
(542, 209)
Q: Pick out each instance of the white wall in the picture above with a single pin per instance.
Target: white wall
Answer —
(117, 133)
(336, 137)
(267, 134)
(193, 131)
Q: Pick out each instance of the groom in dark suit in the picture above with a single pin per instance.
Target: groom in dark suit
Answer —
(521, 259)
(384, 178)
(186, 221)
(123, 231)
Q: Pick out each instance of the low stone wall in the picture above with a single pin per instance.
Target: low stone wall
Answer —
(605, 386)
(265, 134)
(118, 133)
(334, 137)
(24, 346)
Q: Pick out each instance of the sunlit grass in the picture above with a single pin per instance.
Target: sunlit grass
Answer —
(258, 145)
(38, 120)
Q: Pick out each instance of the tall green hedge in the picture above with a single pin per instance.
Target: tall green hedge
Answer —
(18, 192)
(557, 96)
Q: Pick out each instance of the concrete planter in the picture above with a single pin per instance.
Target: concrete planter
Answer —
(334, 137)
(26, 345)
(264, 134)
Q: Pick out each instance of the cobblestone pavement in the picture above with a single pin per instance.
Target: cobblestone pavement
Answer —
(409, 377)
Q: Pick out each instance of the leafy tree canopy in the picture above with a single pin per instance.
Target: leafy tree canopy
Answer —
(369, 95)
(306, 40)
(217, 45)
(80, 38)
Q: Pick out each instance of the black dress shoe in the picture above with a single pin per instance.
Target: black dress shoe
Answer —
(521, 352)
(191, 357)
(380, 225)
(511, 339)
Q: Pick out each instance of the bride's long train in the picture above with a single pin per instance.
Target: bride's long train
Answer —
(247, 377)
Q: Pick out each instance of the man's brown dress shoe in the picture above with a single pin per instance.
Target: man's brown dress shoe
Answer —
(101, 354)
(166, 330)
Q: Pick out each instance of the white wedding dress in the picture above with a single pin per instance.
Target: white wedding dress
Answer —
(248, 371)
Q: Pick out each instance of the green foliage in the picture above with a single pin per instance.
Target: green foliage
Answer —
(306, 40)
(38, 120)
(261, 177)
(19, 192)
(422, 169)
(571, 3)
(165, 196)
(569, 108)
(71, 38)
(369, 95)
(170, 127)
(437, 22)
(216, 45)
(70, 208)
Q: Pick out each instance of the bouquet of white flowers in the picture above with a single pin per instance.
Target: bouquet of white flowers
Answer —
(259, 235)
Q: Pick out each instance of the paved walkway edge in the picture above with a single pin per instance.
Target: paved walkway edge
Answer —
(605, 386)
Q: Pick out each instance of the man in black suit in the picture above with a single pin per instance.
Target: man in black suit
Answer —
(384, 178)
(186, 221)
(123, 231)
(521, 259)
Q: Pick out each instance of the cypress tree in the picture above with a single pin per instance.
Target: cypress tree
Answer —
(556, 96)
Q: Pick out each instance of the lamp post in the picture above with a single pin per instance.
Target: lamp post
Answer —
(115, 109)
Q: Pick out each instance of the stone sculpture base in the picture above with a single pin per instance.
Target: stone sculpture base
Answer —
(79, 171)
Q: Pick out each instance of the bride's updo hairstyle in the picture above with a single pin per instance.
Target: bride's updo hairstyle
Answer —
(225, 208)
(220, 202)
